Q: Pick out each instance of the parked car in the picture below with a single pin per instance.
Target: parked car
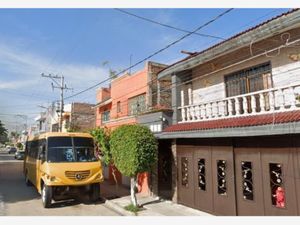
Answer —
(12, 150)
(19, 155)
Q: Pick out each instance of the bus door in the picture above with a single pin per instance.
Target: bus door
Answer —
(40, 160)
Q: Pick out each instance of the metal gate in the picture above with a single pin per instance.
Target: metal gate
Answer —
(185, 177)
(278, 175)
(206, 178)
(249, 187)
(203, 176)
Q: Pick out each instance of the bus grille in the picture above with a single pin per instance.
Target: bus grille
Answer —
(77, 175)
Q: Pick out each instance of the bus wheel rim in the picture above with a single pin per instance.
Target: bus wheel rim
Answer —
(44, 194)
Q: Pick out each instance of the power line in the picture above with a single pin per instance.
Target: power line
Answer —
(166, 25)
(234, 63)
(156, 52)
(62, 86)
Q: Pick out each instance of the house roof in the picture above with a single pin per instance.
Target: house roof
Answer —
(167, 70)
(102, 103)
(247, 121)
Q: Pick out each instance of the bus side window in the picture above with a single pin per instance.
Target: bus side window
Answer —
(42, 149)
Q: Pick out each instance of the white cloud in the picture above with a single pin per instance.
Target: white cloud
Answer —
(16, 84)
(25, 67)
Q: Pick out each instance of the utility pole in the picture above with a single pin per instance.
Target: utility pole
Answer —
(62, 86)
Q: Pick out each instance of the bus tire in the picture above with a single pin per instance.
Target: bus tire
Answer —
(27, 181)
(46, 196)
(95, 192)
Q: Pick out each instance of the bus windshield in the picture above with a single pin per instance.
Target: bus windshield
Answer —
(70, 149)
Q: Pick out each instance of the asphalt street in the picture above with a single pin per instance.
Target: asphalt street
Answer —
(17, 199)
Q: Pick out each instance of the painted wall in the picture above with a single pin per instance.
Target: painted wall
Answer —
(285, 71)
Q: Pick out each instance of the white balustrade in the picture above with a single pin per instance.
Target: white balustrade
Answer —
(237, 106)
(245, 105)
(261, 102)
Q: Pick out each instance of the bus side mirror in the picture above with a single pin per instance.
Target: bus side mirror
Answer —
(42, 156)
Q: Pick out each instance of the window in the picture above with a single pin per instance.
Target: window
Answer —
(33, 149)
(247, 180)
(276, 184)
(67, 149)
(184, 172)
(249, 80)
(118, 107)
(201, 174)
(221, 177)
(136, 105)
(105, 116)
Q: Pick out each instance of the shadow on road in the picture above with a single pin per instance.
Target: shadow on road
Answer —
(12, 184)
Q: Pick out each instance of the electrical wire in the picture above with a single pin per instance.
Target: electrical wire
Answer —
(155, 53)
(166, 25)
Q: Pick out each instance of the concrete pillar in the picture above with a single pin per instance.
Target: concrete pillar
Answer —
(176, 98)
(174, 171)
(158, 92)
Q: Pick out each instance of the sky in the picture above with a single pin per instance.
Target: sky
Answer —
(75, 43)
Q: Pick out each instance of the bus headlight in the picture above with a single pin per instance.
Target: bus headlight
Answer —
(51, 178)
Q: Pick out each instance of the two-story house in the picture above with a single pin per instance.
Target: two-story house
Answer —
(128, 96)
(235, 133)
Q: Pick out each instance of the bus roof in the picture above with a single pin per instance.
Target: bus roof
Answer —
(59, 134)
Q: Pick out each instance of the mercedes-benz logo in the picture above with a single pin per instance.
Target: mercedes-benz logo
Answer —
(78, 176)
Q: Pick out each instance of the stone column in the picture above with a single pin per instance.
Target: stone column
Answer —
(174, 171)
(176, 98)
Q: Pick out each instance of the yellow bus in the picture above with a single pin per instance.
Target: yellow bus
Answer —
(62, 166)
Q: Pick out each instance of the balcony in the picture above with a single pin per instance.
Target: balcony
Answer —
(272, 100)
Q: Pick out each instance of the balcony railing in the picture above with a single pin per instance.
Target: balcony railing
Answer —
(261, 102)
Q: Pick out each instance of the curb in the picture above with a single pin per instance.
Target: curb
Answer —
(110, 204)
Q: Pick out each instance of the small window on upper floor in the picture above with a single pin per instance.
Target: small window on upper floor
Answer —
(137, 104)
(105, 116)
(118, 107)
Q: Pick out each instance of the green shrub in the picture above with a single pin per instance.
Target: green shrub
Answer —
(134, 149)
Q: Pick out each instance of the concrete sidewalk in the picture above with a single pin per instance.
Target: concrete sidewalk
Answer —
(153, 207)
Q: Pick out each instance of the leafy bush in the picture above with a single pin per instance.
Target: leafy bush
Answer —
(134, 149)
(101, 136)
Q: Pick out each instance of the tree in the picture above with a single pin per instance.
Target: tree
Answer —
(111, 72)
(134, 151)
(3, 133)
(102, 137)
(19, 146)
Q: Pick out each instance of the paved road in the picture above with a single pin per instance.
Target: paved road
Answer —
(16, 199)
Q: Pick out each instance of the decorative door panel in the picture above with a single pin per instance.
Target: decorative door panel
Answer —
(297, 170)
(223, 180)
(203, 179)
(248, 182)
(279, 182)
(185, 176)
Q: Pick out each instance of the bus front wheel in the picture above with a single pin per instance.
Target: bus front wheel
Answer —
(27, 181)
(95, 192)
(46, 196)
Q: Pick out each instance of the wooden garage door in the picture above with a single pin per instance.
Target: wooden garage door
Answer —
(203, 179)
(223, 180)
(185, 176)
(297, 170)
(249, 187)
(278, 175)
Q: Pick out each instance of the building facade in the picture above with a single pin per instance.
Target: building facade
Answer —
(128, 96)
(232, 146)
